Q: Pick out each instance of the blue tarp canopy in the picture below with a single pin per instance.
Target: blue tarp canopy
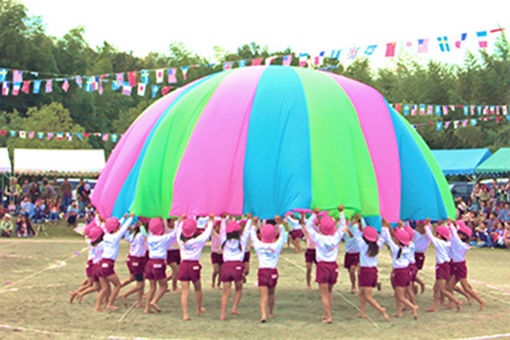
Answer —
(497, 164)
(460, 161)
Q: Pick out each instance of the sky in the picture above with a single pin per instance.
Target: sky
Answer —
(305, 26)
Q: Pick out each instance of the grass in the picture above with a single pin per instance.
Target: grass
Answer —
(43, 271)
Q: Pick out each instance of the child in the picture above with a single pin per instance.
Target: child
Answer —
(155, 271)
(460, 246)
(268, 250)
(189, 270)
(114, 233)
(6, 226)
(369, 244)
(400, 261)
(136, 261)
(173, 257)
(233, 244)
(216, 254)
(310, 254)
(89, 280)
(95, 234)
(351, 257)
(247, 255)
(24, 227)
(413, 270)
(441, 244)
(421, 243)
(296, 232)
(54, 216)
(72, 214)
(326, 241)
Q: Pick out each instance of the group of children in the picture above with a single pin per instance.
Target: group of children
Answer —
(156, 243)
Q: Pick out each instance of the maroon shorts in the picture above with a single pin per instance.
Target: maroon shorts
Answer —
(460, 270)
(232, 271)
(310, 256)
(95, 271)
(443, 271)
(297, 234)
(413, 271)
(268, 277)
(367, 277)
(351, 259)
(217, 258)
(420, 260)
(189, 271)
(199, 231)
(326, 272)
(89, 269)
(107, 267)
(401, 277)
(247, 256)
(136, 265)
(155, 269)
(173, 255)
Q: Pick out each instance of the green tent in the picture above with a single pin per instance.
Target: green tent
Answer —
(496, 165)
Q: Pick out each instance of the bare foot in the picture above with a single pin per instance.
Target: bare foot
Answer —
(327, 321)
(361, 315)
(386, 316)
(308, 287)
(353, 290)
(431, 310)
(482, 305)
(415, 312)
(112, 307)
(378, 286)
(72, 295)
(270, 315)
(469, 301)
(398, 315)
(124, 300)
(148, 311)
(422, 286)
(99, 310)
(212, 285)
(459, 306)
(176, 291)
(235, 312)
(262, 320)
(80, 298)
(139, 305)
(223, 317)
(186, 318)
(201, 311)
(450, 306)
(155, 306)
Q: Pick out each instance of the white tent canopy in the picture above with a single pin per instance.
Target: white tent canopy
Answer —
(58, 162)
(5, 162)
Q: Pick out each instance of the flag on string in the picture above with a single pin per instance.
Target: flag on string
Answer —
(141, 89)
(60, 135)
(443, 44)
(78, 81)
(353, 52)
(430, 108)
(332, 54)
(37, 86)
(242, 63)
(40, 135)
(505, 109)
(438, 110)
(69, 136)
(154, 89)
(12, 133)
(80, 137)
(100, 89)
(172, 75)
(50, 135)
(286, 60)
(26, 86)
(439, 125)
(464, 123)
(473, 122)
(114, 137)
(17, 76)
(86, 134)
(184, 70)
(445, 110)
(479, 109)
(5, 88)
(269, 60)
(482, 39)
(409, 44)
(145, 76)
(446, 125)
(466, 110)
(397, 107)
(3, 132)
(132, 78)
(256, 62)
(89, 85)
(318, 60)
(455, 124)
(3, 74)
(500, 29)
(65, 85)
(49, 86)
(485, 110)
(370, 49)
(458, 43)
(116, 85)
(105, 137)
(423, 45)
(498, 119)
(303, 59)
(406, 109)
(22, 134)
(159, 76)
(337, 54)
(15, 88)
(126, 89)
(414, 109)
(119, 77)
(390, 49)
(492, 109)
(227, 65)
(422, 109)
(498, 109)
(165, 90)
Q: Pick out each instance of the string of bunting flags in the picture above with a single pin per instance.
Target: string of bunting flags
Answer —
(444, 125)
(164, 78)
(443, 110)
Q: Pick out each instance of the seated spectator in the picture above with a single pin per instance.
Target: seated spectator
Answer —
(54, 215)
(504, 214)
(506, 235)
(27, 207)
(6, 226)
(24, 227)
(72, 214)
(12, 208)
(89, 213)
(38, 215)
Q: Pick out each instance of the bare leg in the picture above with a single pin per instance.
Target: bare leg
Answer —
(216, 273)
(421, 283)
(103, 283)
(175, 270)
(297, 245)
(163, 285)
(199, 296)
(373, 302)
(400, 293)
(324, 290)
(263, 291)
(309, 274)
(362, 301)
(352, 277)
(435, 305)
(446, 293)
(127, 281)
(271, 301)
(114, 279)
(398, 314)
(184, 300)
(237, 297)
(467, 287)
(227, 287)
(95, 288)
(140, 285)
(150, 294)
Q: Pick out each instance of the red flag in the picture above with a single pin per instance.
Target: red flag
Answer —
(132, 78)
(390, 49)
(2, 132)
(86, 134)
(166, 89)
(397, 107)
(256, 62)
(501, 29)
(26, 86)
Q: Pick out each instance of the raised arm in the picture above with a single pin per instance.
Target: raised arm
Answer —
(310, 229)
(246, 233)
(434, 240)
(256, 243)
(387, 237)
(124, 227)
(223, 230)
(282, 239)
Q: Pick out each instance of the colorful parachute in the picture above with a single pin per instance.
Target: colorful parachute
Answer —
(266, 140)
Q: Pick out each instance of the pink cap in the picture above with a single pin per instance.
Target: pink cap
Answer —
(89, 227)
(300, 210)
(95, 233)
(232, 226)
(156, 226)
(443, 231)
(268, 233)
(323, 213)
(144, 220)
(370, 233)
(464, 228)
(327, 225)
(402, 236)
(111, 224)
(189, 227)
(409, 231)
(461, 224)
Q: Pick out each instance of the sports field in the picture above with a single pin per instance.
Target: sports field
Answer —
(37, 274)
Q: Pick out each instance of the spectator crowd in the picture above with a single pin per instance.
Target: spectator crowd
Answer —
(26, 207)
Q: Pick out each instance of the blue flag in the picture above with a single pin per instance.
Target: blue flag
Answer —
(155, 89)
(3, 74)
(37, 86)
(370, 49)
(439, 125)
(145, 76)
(242, 63)
(406, 109)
